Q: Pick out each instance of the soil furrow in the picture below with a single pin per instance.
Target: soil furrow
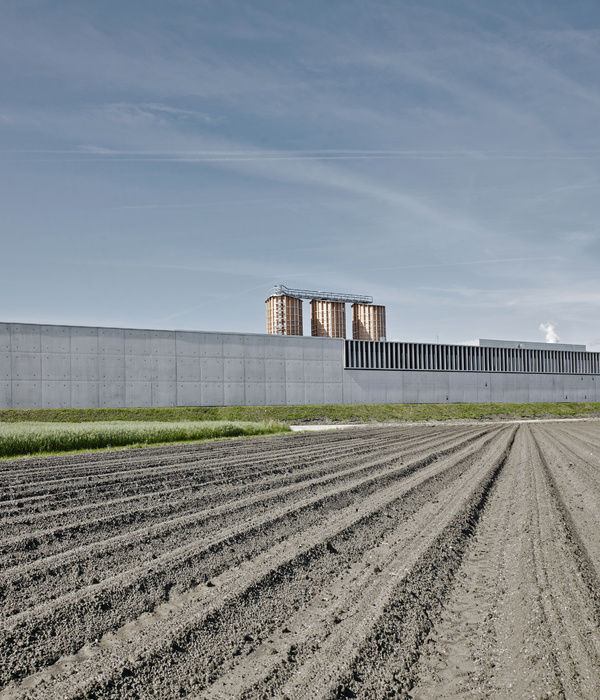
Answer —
(260, 594)
(57, 574)
(424, 561)
(38, 543)
(521, 620)
(84, 615)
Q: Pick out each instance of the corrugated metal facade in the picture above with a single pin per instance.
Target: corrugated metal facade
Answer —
(467, 358)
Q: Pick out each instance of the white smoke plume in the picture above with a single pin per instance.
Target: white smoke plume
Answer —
(550, 330)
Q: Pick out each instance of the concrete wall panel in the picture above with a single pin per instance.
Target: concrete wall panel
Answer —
(5, 394)
(111, 341)
(361, 382)
(275, 394)
(162, 343)
(332, 371)
(333, 350)
(164, 368)
(212, 369)
(56, 339)
(234, 394)
(5, 367)
(314, 350)
(357, 394)
(25, 338)
(314, 394)
(426, 388)
(4, 337)
(84, 368)
(574, 388)
(470, 388)
(294, 371)
(558, 388)
(138, 394)
(497, 388)
(111, 394)
(254, 347)
(26, 394)
(377, 393)
(534, 388)
(233, 370)
(26, 366)
(84, 394)
(138, 368)
(212, 345)
(254, 370)
(56, 367)
(111, 368)
(212, 394)
(545, 388)
(188, 344)
(256, 393)
(84, 340)
(138, 343)
(294, 394)
(233, 346)
(394, 389)
(164, 393)
(275, 372)
(411, 388)
(483, 387)
(56, 394)
(333, 393)
(313, 371)
(294, 348)
(586, 392)
(456, 389)
(188, 369)
(509, 383)
(275, 347)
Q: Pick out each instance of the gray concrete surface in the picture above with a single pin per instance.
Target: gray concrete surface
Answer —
(43, 366)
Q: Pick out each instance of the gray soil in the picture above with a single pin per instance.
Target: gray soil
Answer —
(411, 561)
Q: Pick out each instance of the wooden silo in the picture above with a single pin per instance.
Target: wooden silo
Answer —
(284, 315)
(368, 322)
(327, 319)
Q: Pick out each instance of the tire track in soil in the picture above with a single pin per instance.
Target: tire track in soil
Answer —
(523, 618)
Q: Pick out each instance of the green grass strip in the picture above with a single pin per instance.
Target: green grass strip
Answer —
(29, 438)
(357, 413)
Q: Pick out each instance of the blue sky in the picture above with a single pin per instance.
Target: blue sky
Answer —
(162, 165)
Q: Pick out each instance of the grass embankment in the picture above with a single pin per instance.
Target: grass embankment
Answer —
(357, 413)
(19, 439)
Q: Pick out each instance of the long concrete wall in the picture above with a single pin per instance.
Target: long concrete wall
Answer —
(43, 366)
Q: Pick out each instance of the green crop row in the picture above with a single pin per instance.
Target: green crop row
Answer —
(357, 413)
(29, 438)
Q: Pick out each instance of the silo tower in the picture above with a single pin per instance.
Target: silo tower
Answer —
(368, 322)
(284, 315)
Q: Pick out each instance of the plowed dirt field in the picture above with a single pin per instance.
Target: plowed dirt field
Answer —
(416, 561)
